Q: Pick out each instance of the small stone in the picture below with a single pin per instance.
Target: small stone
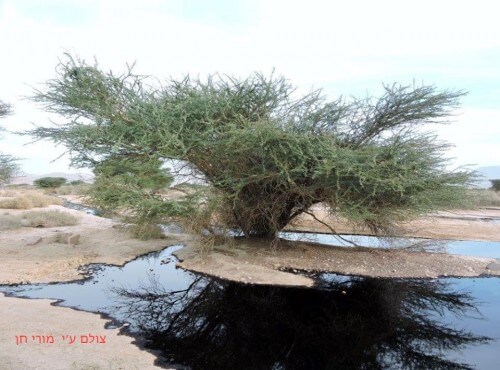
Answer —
(33, 240)
(74, 239)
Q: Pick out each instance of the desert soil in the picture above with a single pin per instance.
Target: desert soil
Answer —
(55, 254)
(39, 255)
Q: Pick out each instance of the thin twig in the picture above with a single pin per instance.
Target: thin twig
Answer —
(335, 234)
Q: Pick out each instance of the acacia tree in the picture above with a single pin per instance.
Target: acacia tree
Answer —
(266, 154)
(8, 165)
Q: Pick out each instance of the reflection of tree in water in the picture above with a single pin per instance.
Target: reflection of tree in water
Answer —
(355, 324)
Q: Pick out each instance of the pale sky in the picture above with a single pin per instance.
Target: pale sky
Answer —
(343, 47)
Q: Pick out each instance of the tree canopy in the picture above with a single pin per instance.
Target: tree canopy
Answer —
(49, 182)
(266, 153)
(8, 164)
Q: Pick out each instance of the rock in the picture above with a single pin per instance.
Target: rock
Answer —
(33, 240)
(74, 239)
(495, 266)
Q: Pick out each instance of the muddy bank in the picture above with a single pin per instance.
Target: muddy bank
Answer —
(257, 263)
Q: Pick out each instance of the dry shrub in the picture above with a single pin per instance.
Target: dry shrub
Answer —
(146, 231)
(76, 189)
(16, 203)
(8, 193)
(484, 198)
(50, 218)
(8, 222)
(29, 200)
(42, 200)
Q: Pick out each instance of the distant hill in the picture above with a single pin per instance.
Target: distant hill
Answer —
(29, 178)
(489, 173)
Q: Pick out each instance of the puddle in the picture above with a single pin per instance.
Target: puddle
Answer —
(350, 323)
(461, 247)
(81, 207)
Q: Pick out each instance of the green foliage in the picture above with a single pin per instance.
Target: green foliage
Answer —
(8, 168)
(142, 172)
(132, 184)
(495, 185)
(77, 182)
(267, 154)
(49, 182)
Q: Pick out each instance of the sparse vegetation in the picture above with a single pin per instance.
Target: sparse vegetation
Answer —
(484, 198)
(8, 221)
(51, 218)
(8, 164)
(77, 182)
(28, 200)
(73, 189)
(146, 231)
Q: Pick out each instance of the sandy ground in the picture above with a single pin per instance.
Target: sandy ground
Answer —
(52, 254)
(38, 318)
(51, 258)
(481, 224)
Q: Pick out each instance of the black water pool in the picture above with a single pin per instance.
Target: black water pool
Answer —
(350, 323)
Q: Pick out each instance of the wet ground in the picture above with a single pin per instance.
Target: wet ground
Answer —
(348, 322)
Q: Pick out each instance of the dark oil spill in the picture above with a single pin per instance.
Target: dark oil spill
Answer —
(350, 323)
